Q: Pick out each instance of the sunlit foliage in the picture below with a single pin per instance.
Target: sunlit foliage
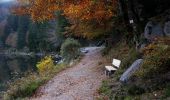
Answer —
(95, 14)
(45, 64)
(79, 9)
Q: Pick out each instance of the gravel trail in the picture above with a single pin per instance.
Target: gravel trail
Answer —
(76, 83)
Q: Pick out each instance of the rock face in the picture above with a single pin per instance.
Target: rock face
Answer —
(153, 30)
(130, 71)
(167, 28)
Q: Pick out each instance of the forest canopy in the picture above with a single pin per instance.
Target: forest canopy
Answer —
(86, 17)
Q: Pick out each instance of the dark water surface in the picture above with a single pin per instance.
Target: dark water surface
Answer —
(12, 67)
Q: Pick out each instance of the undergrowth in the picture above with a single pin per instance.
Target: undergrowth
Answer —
(26, 86)
(150, 81)
(105, 91)
(127, 55)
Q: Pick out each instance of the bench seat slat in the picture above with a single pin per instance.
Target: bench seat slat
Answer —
(110, 68)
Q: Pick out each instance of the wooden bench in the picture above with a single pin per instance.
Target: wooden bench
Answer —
(111, 69)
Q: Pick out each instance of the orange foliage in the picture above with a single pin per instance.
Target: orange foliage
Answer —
(90, 10)
(76, 11)
(82, 9)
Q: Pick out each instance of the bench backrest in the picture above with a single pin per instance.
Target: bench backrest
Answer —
(116, 63)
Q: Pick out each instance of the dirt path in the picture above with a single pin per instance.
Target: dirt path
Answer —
(77, 83)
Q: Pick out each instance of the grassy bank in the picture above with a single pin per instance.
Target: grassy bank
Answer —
(150, 82)
(127, 55)
(26, 86)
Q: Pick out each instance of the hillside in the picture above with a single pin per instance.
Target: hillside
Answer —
(135, 35)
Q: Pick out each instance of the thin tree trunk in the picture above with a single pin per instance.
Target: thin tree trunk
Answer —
(124, 13)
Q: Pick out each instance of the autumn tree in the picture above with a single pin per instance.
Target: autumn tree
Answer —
(88, 18)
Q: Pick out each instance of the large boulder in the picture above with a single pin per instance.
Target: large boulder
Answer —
(131, 70)
(153, 30)
(167, 28)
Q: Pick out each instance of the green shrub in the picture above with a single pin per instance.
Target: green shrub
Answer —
(105, 88)
(105, 51)
(156, 61)
(167, 91)
(23, 87)
(70, 49)
(128, 98)
(130, 58)
(135, 90)
(105, 91)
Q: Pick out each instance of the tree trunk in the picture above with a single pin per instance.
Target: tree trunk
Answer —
(133, 15)
(123, 12)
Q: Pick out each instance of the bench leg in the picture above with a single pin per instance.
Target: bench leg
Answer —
(109, 73)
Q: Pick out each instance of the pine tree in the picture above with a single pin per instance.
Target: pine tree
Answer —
(23, 24)
(37, 37)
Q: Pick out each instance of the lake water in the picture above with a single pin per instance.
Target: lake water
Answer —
(14, 67)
